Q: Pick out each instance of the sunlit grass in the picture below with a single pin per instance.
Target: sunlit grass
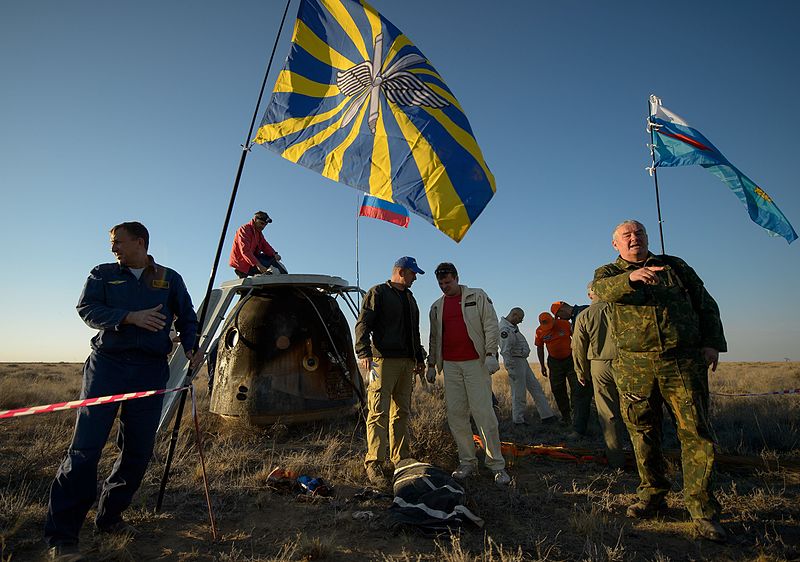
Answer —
(552, 510)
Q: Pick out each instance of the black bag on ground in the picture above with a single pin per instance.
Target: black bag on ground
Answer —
(429, 499)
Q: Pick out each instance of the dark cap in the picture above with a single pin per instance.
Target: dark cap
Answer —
(262, 216)
(407, 262)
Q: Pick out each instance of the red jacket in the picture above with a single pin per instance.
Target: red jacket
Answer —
(247, 244)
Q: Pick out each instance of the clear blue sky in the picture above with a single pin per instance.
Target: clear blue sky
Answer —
(136, 111)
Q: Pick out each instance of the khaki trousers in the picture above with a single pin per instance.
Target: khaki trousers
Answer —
(606, 398)
(389, 404)
(468, 390)
(522, 382)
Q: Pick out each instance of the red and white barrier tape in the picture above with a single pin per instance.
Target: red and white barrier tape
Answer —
(86, 402)
(774, 392)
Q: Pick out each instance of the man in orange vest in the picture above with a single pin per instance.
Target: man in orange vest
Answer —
(555, 334)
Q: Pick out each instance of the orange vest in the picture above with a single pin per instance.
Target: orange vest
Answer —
(557, 339)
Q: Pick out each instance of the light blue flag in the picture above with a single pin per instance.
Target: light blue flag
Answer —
(678, 144)
(360, 104)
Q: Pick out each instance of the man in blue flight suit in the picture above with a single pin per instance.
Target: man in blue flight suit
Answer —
(132, 303)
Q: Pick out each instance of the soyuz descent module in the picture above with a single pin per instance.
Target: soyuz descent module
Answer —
(283, 353)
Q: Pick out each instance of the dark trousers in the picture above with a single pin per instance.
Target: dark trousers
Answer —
(74, 489)
(266, 262)
(575, 405)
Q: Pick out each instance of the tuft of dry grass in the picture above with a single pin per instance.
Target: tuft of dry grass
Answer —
(754, 425)
(551, 511)
(453, 551)
(429, 434)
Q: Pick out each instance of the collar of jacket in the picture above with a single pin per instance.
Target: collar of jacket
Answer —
(628, 265)
(406, 290)
(151, 265)
(466, 293)
(508, 323)
(152, 269)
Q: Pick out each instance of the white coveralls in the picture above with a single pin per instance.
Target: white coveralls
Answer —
(515, 351)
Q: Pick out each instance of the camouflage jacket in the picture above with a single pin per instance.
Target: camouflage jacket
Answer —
(676, 314)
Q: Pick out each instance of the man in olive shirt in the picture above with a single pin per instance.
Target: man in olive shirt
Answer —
(593, 351)
(668, 332)
(388, 347)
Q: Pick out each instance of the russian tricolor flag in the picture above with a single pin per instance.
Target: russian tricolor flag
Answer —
(384, 210)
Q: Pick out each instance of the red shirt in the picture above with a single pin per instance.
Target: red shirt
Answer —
(456, 345)
(248, 243)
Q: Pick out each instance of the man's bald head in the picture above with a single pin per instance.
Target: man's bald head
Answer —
(515, 315)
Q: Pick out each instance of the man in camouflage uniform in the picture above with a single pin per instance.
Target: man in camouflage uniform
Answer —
(668, 331)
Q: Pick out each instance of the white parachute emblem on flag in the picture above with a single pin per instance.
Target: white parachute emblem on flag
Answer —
(365, 81)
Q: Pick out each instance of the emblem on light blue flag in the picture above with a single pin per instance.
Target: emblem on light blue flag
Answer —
(678, 144)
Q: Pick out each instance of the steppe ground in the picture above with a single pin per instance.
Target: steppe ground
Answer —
(553, 510)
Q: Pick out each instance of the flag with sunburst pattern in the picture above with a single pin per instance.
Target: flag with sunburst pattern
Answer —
(360, 104)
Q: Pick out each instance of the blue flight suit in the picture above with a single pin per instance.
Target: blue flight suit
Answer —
(124, 358)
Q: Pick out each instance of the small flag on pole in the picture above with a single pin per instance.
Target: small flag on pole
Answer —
(375, 208)
(678, 144)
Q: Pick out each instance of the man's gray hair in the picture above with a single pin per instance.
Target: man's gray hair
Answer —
(623, 223)
(590, 292)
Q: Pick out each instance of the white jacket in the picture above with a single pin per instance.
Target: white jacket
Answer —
(512, 342)
(480, 318)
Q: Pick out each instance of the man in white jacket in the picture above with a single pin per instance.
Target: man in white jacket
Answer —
(515, 351)
(463, 346)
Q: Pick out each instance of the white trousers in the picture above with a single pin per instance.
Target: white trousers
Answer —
(468, 390)
(522, 382)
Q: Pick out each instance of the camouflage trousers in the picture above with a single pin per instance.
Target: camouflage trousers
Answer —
(646, 381)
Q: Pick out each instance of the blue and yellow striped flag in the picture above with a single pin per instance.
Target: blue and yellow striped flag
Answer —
(357, 102)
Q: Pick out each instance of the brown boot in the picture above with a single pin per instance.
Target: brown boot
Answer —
(376, 476)
(710, 529)
(646, 509)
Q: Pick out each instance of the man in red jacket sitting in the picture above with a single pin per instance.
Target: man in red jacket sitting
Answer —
(251, 253)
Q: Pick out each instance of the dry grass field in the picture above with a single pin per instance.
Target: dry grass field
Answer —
(553, 510)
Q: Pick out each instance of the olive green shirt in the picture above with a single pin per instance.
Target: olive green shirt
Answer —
(591, 340)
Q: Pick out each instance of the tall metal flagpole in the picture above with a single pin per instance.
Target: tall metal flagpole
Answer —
(358, 216)
(652, 168)
(191, 374)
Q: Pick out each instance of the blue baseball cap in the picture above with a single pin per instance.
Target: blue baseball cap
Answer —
(407, 262)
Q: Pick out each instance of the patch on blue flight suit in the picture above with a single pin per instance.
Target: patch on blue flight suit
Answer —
(117, 282)
(160, 284)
